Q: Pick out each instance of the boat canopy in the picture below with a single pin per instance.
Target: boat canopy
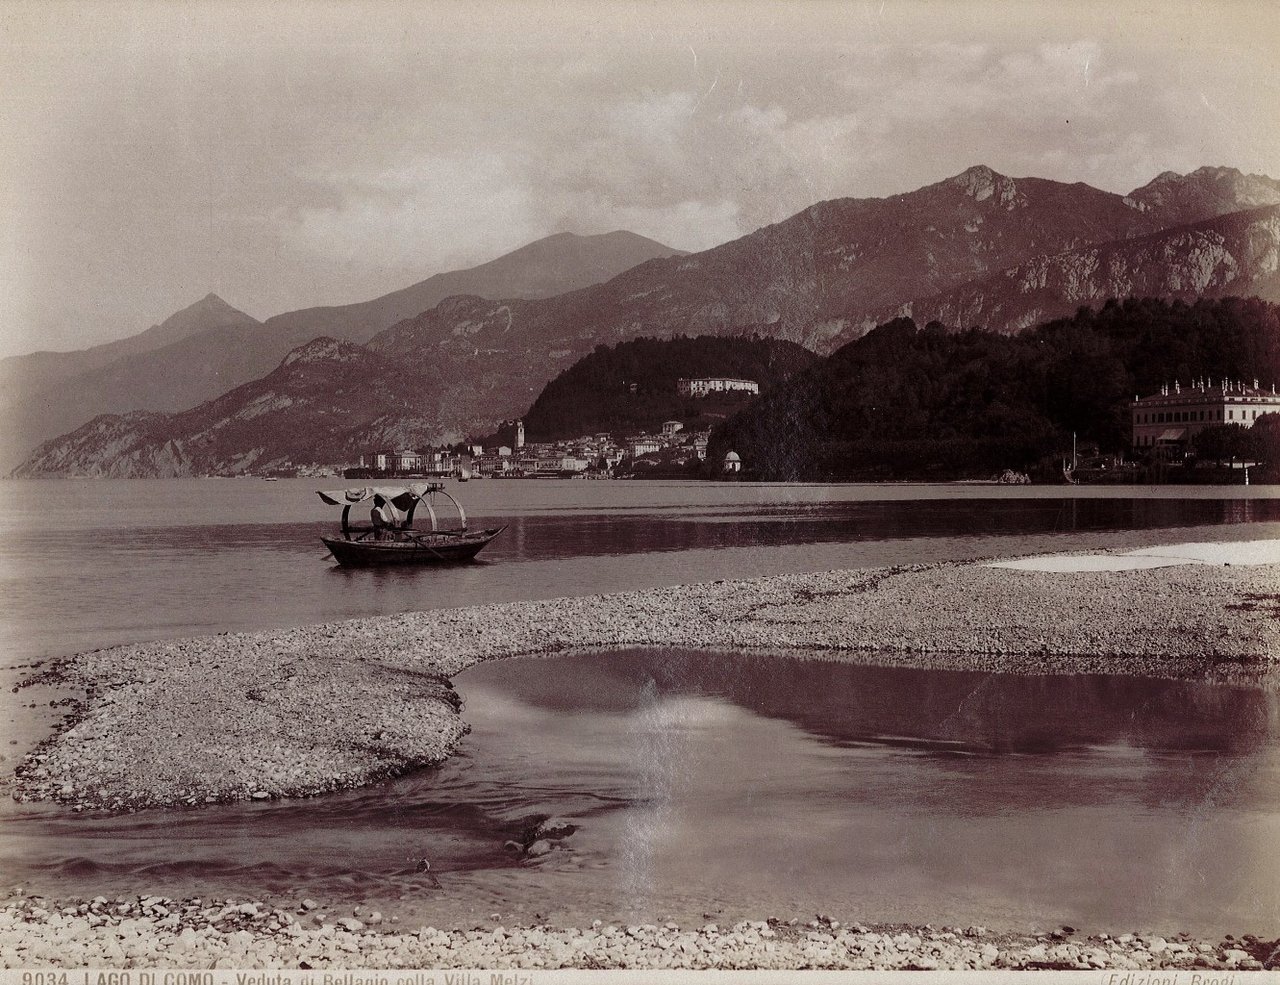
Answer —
(402, 497)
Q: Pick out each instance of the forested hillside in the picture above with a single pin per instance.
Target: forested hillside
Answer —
(910, 402)
(631, 387)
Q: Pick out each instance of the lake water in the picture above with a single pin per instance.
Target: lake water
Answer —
(734, 784)
(750, 786)
(85, 564)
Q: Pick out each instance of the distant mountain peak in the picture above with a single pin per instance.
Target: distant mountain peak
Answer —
(1216, 171)
(979, 172)
(208, 307)
(1205, 192)
(213, 302)
(472, 346)
(618, 238)
(981, 183)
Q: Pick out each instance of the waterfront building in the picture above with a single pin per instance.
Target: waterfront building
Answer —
(1175, 415)
(714, 384)
(490, 464)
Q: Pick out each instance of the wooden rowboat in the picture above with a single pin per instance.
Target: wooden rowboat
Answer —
(390, 537)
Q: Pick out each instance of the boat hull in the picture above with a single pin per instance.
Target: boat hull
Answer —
(427, 548)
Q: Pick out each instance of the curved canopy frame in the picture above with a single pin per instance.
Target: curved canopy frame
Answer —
(404, 499)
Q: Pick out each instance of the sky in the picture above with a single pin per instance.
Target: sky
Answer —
(284, 155)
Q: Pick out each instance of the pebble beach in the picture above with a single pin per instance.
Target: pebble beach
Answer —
(157, 932)
(304, 711)
(319, 708)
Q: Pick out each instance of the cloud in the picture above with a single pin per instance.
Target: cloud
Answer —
(633, 164)
(435, 210)
(454, 175)
(287, 156)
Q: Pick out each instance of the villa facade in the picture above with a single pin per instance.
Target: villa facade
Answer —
(714, 384)
(1175, 415)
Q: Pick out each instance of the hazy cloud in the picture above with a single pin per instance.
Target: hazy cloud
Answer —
(292, 155)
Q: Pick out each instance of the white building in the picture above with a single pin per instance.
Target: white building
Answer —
(714, 384)
(1175, 415)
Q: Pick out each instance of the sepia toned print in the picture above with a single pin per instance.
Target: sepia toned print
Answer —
(797, 491)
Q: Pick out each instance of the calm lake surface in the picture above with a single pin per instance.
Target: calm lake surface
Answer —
(750, 785)
(736, 784)
(86, 564)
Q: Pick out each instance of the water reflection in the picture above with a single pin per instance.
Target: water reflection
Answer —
(1101, 800)
(880, 793)
(946, 712)
(543, 536)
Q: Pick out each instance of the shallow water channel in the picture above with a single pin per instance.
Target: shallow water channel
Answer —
(752, 785)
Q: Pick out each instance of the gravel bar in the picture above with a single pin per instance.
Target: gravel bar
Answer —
(324, 707)
(153, 931)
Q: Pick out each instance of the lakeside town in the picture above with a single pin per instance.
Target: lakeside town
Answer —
(1166, 427)
(593, 456)
(671, 449)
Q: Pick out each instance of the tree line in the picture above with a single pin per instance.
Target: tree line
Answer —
(905, 402)
(630, 387)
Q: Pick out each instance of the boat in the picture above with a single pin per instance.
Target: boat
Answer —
(390, 537)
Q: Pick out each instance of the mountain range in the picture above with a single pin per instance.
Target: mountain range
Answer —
(210, 347)
(980, 248)
(329, 397)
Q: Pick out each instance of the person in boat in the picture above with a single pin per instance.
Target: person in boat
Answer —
(382, 518)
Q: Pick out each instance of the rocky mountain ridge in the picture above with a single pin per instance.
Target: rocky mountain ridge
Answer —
(542, 269)
(210, 347)
(821, 278)
(977, 248)
(193, 355)
(1205, 192)
(1236, 254)
(329, 397)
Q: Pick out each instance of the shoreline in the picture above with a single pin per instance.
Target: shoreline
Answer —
(154, 931)
(222, 718)
(230, 717)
